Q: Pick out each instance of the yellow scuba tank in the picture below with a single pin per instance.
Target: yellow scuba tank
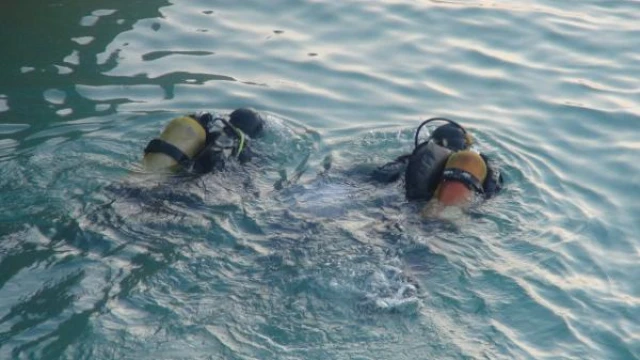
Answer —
(184, 134)
(464, 174)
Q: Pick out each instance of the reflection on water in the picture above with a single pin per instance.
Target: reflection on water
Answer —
(298, 255)
(54, 48)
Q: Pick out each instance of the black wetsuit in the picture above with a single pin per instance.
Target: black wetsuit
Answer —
(214, 157)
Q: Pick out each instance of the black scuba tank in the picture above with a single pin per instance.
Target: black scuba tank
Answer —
(428, 158)
(424, 169)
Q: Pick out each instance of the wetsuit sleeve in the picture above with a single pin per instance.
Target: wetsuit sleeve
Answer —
(209, 160)
(246, 155)
(493, 182)
(391, 171)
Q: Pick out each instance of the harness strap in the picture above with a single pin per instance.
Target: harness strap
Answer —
(238, 149)
(207, 121)
(163, 147)
(465, 177)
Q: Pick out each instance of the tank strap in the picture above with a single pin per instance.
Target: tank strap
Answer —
(237, 150)
(206, 120)
(465, 177)
(163, 147)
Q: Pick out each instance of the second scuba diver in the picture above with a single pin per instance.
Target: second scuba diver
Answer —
(201, 143)
(443, 168)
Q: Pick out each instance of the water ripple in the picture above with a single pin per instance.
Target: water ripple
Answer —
(286, 259)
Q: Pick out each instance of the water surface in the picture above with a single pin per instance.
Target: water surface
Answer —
(282, 259)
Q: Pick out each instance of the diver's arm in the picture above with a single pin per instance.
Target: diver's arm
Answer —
(208, 160)
(391, 171)
(246, 155)
(493, 182)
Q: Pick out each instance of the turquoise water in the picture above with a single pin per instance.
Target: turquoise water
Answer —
(274, 261)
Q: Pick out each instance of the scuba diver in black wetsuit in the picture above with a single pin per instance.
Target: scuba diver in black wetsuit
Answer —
(443, 166)
(189, 146)
(201, 143)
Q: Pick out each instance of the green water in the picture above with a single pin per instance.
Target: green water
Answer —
(273, 260)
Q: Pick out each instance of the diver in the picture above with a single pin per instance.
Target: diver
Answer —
(443, 167)
(201, 143)
(188, 147)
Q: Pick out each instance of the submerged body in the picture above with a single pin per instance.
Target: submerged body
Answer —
(190, 146)
(443, 169)
(441, 172)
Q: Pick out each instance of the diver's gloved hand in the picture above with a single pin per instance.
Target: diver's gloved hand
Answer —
(493, 182)
(246, 155)
(391, 171)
